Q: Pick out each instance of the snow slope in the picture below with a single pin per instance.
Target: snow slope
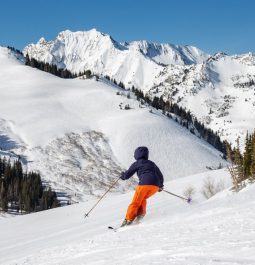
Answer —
(75, 134)
(218, 231)
(219, 90)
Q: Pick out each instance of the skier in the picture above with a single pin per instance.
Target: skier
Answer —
(150, 181)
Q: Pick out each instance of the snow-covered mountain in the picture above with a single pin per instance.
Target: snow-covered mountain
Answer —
(218, 90)
(218, 231)
(134, 63)
(74, 132)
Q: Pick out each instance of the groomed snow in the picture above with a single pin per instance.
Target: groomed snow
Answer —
(218, 231)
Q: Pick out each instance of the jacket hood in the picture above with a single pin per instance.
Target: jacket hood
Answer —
(141, 152)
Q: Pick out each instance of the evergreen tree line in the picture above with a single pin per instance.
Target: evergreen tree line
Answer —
(53, 69)
(185, 119)
(23, 192)
(49, 68)
(243, 163)
(15, 50)
(120, 84)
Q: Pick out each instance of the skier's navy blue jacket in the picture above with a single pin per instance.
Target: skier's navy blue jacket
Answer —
(147, 171)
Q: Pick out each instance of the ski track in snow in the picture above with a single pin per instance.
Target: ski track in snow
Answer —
(219, 231)
(180, 243)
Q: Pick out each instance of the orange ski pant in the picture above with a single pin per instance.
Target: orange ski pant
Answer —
(138, 204)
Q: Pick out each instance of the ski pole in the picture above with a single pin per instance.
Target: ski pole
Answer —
(186, 199)
(87, 214)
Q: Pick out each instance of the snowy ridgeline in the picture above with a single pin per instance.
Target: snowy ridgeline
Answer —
(218, 231)
(76, 135)
(219, 90)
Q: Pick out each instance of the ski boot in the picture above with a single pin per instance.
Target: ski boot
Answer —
(139, 218)
(126, 222)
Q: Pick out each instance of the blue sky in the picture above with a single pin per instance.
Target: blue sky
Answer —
(211, 25)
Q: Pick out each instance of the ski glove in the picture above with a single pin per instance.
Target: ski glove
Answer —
(161, 188)
(122, 176)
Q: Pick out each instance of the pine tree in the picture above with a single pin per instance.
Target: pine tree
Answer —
(88, 74)
(23, 191)
(252, 167)
(247, 159)
(238, 161)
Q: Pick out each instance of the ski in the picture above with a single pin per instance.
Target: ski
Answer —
(113, 228)
(120, 228)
